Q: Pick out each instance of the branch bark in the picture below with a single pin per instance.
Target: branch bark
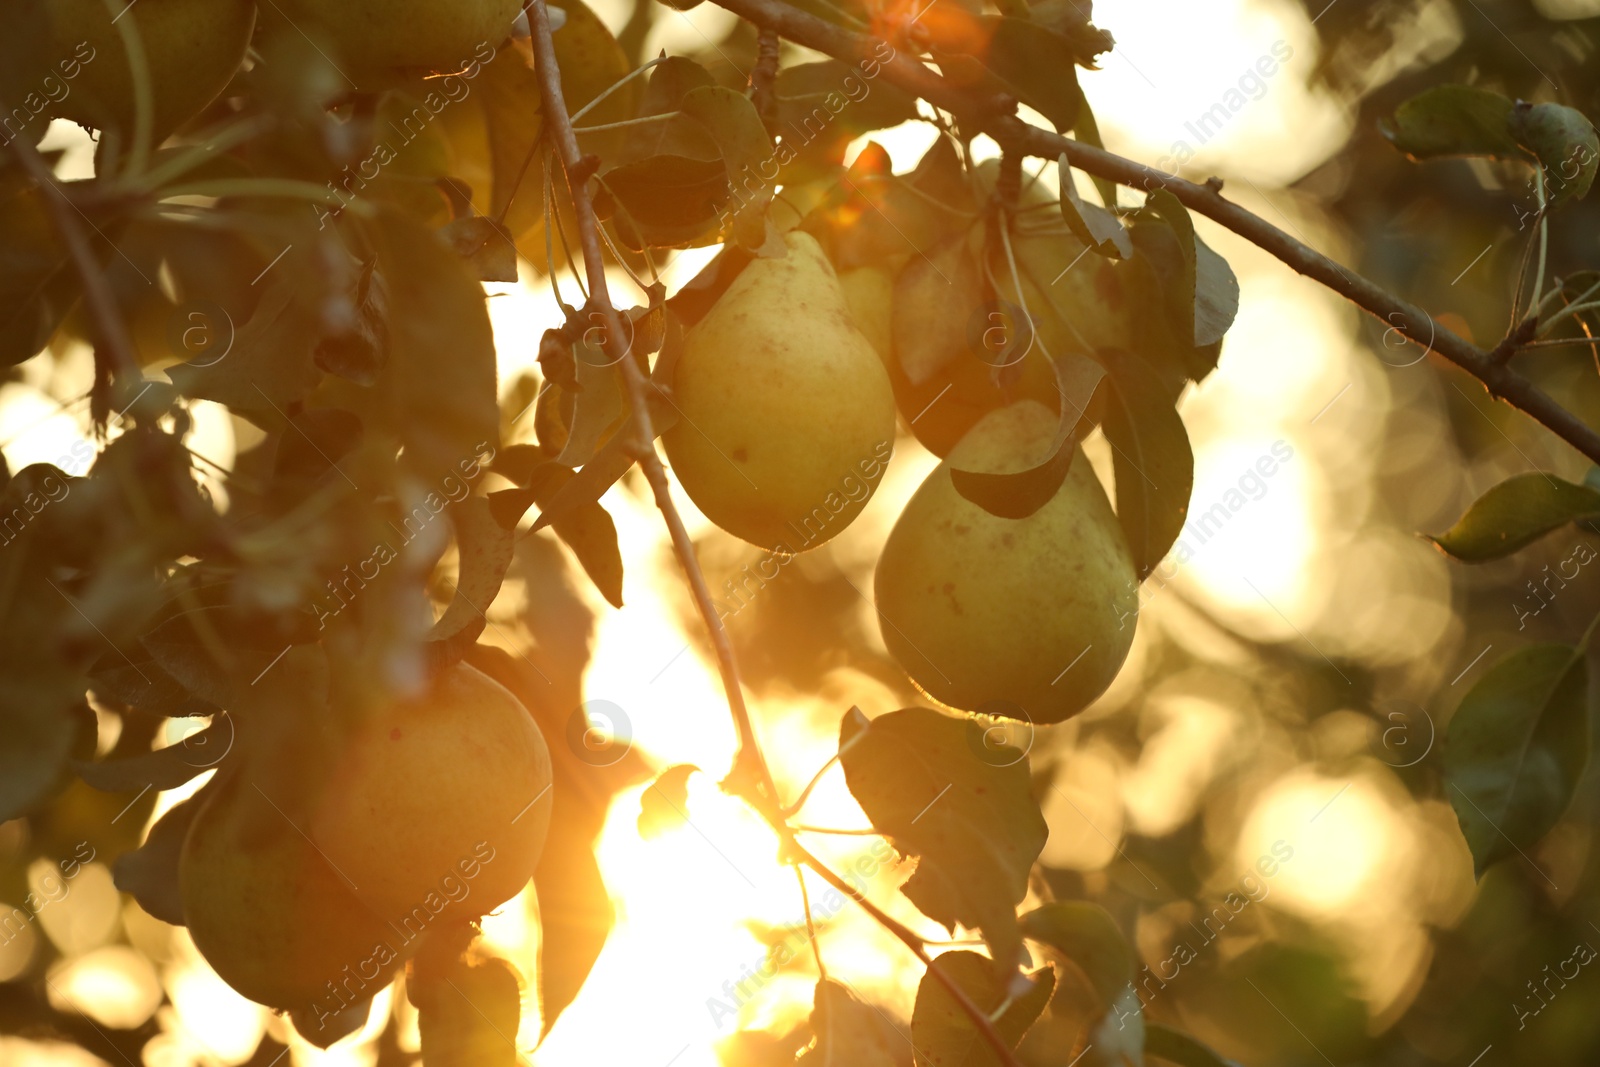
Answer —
(996, 116)
(96, 290)
(751, 779)
(749, 764)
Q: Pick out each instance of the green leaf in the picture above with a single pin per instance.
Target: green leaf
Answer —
(485, 244)
(973, 825)
(269, 367)
(149, 873)
(662, 806)
(1091, 223)
(1205, 300)
(1175, 1046)
(468, 1006)
(44, 729)
(507, 93)
(37, 283)
(1090, 939)
(585, 527)
(670, 200)
(1563, 140)
(1018, 494)
(1453, 120)
(437, 394)
(848, 1032)
(165, 768)
(1152, 459)
(1516, 748)
(732, 122)
(941, 1031)
(1033, 62)
(1516, 513)
(485, 548)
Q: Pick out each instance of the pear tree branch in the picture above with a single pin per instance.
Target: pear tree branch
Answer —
(97, 292)
(996, 116)
(751, 778)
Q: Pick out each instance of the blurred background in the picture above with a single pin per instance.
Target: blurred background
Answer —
(1285, 697)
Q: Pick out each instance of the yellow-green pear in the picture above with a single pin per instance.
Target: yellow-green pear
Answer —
(192, 48)
(1021, 617)
(270, 914)
(786, 417)
(869, 292)
(373, 38)
(438, 805)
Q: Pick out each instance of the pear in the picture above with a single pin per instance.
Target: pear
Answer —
(192, 49)
(270, 914)
(786, 413)
(1028, 618)
(869, 293)
(438, 806)
(372, 39)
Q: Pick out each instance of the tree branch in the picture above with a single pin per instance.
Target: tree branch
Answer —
(97, 293)
(749, 763)
(996, 116)
(751, 779)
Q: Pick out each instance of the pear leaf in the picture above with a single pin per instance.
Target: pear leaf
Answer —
(1091, 223)
(1516, 749)
(269, 366)
(974, 826)
(507, 92)
(484, 243)
(165, 768)
(149, 873)
(1453, 120)
(732, 122)
(671, 201)
(1516, 513)
(1180, 1048)
(1564, 142)
(1019, 494)
(485, 547)
(468, 1006)
(586, 528)
(1205, 300)
(1151, 457)
(1090, 939)
(941, 1031)
(662, 806)
(848, 1031)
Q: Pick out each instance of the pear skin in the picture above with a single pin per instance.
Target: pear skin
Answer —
(786, 416)
(1037, 613)
(869, 291)
(438, 806)
(191, 47)
(270, 914)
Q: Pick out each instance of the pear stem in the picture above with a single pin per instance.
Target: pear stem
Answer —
(996, 116)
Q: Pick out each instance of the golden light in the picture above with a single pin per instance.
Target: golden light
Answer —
(1346, 841)
(116, 986)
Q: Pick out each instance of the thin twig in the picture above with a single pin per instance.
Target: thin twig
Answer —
(96, 290)
(750, 779)
(997, 117)
(909, 938)
(750, 771)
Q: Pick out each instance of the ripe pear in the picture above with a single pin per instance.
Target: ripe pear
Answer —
(269, 913)
(786, 413)
(1036, 612)
(192, 49)
(439, 803)
(869, 292)
(373, 38)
